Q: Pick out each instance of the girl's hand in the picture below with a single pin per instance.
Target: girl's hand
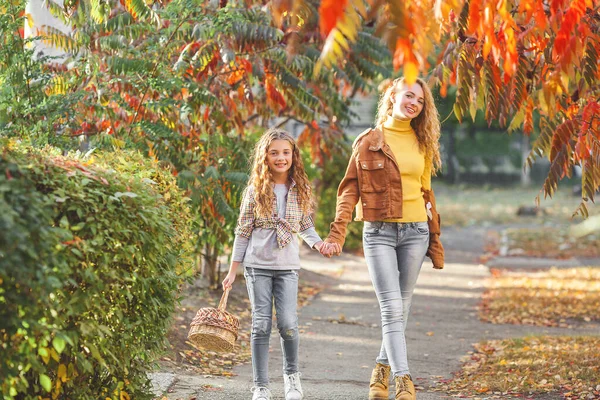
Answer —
(228, 281)
(230, 278)
(331, 249)
(319, 245)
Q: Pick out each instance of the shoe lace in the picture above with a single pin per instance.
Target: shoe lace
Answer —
(401, 385)
(294, 381)
(260, 391)
(380, 377)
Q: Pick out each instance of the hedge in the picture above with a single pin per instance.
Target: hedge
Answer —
(91, 256)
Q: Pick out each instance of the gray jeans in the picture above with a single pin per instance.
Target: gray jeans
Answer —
(394, 253)
(266, 287)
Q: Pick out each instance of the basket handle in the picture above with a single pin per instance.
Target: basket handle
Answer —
(223, 302)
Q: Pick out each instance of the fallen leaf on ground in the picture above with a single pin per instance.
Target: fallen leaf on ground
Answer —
(555, 297)
(526, 366)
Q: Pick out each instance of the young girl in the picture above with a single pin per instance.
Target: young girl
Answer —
(276, 204)
(389, 180)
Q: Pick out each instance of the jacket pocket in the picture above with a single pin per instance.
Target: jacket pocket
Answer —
(372, 201)
(373, 175)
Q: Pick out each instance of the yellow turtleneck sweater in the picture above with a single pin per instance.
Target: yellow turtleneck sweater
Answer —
(415, 170)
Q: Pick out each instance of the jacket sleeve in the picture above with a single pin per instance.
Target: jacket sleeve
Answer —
(435, 250)
(347, 197)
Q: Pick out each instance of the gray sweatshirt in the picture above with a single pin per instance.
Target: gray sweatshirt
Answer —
(261, 250)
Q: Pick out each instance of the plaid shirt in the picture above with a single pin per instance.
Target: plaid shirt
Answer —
(295, 221)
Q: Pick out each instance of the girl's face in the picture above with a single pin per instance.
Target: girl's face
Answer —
(279, 158)
(408, 101)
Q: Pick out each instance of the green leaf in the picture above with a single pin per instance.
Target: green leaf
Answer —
(126, 194)
(45, 382)
(58, 344)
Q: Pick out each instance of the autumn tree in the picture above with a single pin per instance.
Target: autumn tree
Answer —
(529, 65)
(190, 82)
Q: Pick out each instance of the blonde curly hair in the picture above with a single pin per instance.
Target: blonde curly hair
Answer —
(426, 124)
(262, 179)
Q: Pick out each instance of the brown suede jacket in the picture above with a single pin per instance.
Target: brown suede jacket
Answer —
(373, 178)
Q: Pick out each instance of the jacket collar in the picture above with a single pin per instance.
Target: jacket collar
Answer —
(377, 139)
(374, 136)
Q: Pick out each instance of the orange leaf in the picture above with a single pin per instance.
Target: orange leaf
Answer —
(528, 123)
(444, 89)
(474, 16)
(540, 16)
(330, 12)
(404, 57)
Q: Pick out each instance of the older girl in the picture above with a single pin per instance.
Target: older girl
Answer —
(388, 179)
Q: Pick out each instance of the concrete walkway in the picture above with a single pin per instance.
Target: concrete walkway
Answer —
(341, 333)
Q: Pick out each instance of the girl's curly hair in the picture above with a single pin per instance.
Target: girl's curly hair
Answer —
(262, 179)
(426, 124)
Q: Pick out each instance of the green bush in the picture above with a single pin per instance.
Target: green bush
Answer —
(89, 262)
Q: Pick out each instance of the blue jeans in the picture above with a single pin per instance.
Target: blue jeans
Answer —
(266, 287)
(394, 253)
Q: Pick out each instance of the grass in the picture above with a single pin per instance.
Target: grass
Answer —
(556, 297)
(466, 205)
(531, 366)
(551, 243)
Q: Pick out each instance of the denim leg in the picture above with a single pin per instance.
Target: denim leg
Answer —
(285, 293)
(260, 291)
(394, 254)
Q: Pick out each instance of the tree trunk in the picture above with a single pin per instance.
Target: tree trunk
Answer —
(210, 270)
(526, 171)
(453, 170)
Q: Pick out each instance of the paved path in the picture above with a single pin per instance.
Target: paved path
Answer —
(336, 358)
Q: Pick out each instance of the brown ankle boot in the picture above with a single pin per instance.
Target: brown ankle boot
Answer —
(405, 389)
(380, 382)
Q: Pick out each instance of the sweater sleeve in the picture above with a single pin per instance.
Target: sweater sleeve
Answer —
(240, 244)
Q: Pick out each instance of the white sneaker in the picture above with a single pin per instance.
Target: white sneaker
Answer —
(261, 393)
(292, 387)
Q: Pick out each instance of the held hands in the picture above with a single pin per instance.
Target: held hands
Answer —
(329, 249)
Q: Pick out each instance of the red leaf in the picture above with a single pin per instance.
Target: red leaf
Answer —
(274, 98)
(562, 137)
(567, 27)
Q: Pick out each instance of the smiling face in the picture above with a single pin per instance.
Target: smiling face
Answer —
(279, 159)
(408, 101)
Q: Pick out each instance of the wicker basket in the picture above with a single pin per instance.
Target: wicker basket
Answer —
(214, 328)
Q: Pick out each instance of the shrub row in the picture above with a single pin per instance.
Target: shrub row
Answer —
(90, 261)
